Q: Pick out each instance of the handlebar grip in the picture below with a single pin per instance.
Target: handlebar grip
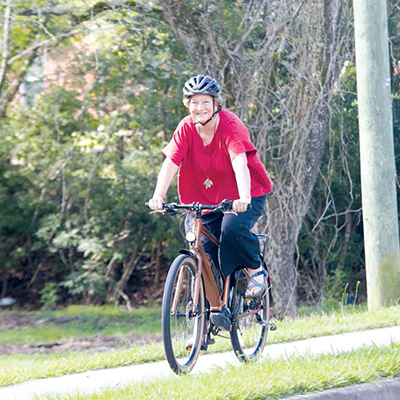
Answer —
(146, 204)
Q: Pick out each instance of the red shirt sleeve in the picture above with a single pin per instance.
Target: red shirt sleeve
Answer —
(238, 140)
(177, 148)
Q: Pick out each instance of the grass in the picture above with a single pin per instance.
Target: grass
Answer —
(18, 368)
(80, 321)
(267, 379)
(335, 323)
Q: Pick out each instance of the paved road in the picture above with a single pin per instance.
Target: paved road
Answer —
(89, 382)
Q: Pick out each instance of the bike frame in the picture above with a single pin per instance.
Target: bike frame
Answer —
(204, 269)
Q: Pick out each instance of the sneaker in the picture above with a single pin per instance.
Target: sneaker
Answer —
(222, 319)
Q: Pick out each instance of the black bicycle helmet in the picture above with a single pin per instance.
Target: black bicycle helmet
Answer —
(200, 84)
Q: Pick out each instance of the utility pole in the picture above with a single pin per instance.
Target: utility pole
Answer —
(378, 171)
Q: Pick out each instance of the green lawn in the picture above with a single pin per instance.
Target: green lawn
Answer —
(19, 367)
(267, 379)
(80, 321)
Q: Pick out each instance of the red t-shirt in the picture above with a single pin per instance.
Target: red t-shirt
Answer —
(198, 162)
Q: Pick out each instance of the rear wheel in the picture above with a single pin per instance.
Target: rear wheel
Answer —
(251, 317)
(182, 324)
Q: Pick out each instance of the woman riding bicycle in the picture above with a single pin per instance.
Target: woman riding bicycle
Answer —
(211, 147)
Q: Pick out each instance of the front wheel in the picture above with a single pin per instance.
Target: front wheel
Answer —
(251, 317)
(182, 322)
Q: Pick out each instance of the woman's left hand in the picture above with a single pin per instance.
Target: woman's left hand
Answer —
(240, 205)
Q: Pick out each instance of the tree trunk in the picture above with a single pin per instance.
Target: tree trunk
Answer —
(128, 268)
(280, 258)
(5, 43)
(288, 205)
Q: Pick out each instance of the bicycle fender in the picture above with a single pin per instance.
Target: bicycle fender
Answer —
(187, 252)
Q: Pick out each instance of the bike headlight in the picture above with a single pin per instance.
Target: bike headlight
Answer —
(190, 237)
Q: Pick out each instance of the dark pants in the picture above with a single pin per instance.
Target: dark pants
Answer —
(238, 247)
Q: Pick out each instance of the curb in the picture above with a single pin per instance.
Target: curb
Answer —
(381, 390)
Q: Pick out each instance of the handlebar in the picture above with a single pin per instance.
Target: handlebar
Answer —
(224, 206)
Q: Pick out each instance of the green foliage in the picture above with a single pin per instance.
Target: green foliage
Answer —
(49, 296)
(88, 280)
(335, 284)
(74, 175)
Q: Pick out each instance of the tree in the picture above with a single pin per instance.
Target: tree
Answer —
(278, 63)
(76, 171)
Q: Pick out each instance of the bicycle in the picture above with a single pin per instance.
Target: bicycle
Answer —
(194, 288)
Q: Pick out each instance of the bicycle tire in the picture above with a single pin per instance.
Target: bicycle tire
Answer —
(185, 325)
(248, 336)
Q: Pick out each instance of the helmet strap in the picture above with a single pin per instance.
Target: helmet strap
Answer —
(214, 113)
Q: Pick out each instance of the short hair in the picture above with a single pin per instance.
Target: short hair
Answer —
(218, 99)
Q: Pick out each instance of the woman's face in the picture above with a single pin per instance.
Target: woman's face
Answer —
(201, 107)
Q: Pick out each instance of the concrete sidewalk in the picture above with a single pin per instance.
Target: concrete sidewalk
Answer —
(92, 381)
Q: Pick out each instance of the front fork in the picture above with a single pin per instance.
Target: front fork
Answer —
(197, 284)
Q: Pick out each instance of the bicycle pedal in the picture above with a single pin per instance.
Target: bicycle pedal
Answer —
(252, 303)
(263, 322)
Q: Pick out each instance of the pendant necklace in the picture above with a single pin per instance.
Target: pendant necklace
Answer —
(208, 182)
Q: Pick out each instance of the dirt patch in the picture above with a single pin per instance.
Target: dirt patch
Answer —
(12, 321)
(95, 343)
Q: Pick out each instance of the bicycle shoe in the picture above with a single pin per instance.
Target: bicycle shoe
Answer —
(222, 319)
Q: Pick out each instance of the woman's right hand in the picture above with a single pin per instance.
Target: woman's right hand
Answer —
(156, 203)
(168, 171)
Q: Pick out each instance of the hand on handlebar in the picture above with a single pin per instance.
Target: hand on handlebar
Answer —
(156, 203)
(241, 205)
